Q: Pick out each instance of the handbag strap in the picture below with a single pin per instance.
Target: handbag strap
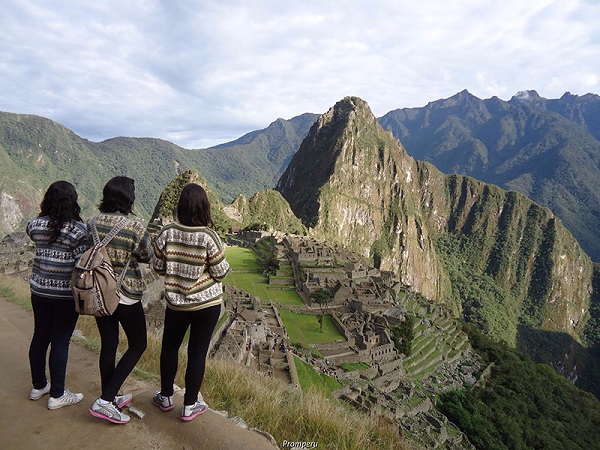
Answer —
(123, 273)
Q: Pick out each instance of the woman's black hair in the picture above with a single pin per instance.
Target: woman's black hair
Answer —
(193, 208)
(118, 195)
(60, 204)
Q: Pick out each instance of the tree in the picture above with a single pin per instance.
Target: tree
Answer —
(256, 226)
(322, 297)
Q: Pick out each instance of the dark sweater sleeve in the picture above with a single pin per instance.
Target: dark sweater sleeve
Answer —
(158, 258)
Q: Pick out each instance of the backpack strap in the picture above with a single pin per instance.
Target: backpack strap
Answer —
(109, 237)
(111, 234)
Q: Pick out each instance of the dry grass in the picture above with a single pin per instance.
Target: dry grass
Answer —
(16, 290)
(292, 415)
(264, 403)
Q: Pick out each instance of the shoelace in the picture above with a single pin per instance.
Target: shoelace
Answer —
(70, 396)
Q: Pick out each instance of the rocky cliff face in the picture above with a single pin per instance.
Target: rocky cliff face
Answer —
(352, 183)
(11, 212)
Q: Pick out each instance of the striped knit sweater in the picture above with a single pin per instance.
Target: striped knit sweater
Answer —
(53, 264)
(133, 241)
(192, 259)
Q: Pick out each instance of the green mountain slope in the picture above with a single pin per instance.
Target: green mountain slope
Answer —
(34, 152)
(266, 209)
(255, 161)
(519, 404)
(545, 149)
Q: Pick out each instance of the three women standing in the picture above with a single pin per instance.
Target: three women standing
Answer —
(188, 252)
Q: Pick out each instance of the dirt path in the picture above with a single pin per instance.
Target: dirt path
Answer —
(26, 424)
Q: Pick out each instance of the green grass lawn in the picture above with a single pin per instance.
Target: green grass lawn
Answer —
(257, 285)
(253, 282)
(304, 328)
(310, 378)
(349, 367)
(241, 258)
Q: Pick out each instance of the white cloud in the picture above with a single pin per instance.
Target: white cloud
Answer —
(200, 73)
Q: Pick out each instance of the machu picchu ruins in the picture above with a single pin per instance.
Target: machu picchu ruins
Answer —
(366, 304)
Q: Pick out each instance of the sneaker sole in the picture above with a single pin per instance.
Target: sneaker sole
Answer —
(193, 416)
(37, 397)
(54, 407)
(102, 416)
(33, 397)
(161, 407)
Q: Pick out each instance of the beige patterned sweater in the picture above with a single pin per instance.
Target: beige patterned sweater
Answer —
(192, 259)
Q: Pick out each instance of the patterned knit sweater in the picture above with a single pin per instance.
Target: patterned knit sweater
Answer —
(133, 241)
(192, 259)
(53, 263)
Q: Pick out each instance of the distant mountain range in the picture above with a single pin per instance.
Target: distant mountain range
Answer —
(35, 151)
(355, 185)
(548, 150)
(491, 256)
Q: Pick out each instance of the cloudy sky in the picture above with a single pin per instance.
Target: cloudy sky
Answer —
(199, 73)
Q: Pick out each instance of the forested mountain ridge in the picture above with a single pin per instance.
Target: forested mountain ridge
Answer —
(546, 149)
(35, 151)
(264, 210)
(494, 257)
(255, 161)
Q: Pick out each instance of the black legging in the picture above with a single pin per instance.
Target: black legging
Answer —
(133, 321)
(201, 324)
(54, 321)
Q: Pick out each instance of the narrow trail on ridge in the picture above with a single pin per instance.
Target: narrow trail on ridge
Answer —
(29, 424)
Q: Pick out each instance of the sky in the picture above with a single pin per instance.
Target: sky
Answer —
(200, 73)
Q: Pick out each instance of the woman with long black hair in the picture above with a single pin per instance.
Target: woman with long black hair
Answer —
(60, 239)
(192, 257)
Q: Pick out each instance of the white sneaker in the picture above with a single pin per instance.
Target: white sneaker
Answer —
(68, 398)
(36, 394)
(190, 412)
(108, 412)
(164, 403)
